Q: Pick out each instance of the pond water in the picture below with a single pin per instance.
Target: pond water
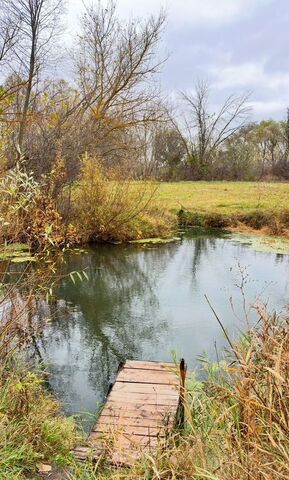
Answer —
(144, 302)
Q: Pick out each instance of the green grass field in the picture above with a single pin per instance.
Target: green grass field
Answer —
(223, 197)
(254, 205)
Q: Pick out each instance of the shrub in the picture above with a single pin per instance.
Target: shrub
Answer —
(102, 207)
(106, 207)
(207, 220)
(217, 220)
(27, 212)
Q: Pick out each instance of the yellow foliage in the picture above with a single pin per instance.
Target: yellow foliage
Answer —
(107, 207)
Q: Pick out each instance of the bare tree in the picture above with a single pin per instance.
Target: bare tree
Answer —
(115, 63)
(204, 132)
(38, 21)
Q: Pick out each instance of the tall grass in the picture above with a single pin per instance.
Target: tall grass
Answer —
(31, 429)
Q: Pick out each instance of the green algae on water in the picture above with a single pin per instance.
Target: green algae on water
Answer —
(16, 253)
(155, 241)
(262, 243)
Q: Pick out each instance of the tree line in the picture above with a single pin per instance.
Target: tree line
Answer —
(113, 108)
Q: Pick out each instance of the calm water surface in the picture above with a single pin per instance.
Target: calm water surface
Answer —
(145, 303)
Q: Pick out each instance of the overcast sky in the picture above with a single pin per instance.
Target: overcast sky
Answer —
(236, 45)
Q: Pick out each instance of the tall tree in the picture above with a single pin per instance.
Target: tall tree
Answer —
(286, 133)
(115, 65)
(282, 167)
(169, 152)
(267, 137)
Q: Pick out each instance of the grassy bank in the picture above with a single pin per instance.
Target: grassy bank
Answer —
(228, 204)
(102, 206)
(32, 430)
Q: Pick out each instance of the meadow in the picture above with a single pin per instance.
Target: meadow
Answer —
(255, 205)
(223, 197)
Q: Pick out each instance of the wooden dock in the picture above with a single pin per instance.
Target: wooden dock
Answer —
(139, 412)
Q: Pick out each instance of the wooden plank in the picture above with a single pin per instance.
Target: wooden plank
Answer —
(90, 453)
(146, 421)
(140, 408)
(142, 414)
(147, 388)
(132, 419)
(163, 366)
(129, 430)
(147, 376)
(172, 390)
(141, 398)
(122, 440)
(158, 413)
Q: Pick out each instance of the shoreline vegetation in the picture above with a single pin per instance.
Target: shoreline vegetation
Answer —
(236, 419)
(102, 207)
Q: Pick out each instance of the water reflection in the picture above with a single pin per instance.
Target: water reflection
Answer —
(96, 324)
(142, 303)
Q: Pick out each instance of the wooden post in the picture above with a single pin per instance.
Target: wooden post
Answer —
(181, 414)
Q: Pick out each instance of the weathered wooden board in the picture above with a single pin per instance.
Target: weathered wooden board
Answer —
(150, 365)
(131, 421)
(145, 388)
(139, 411)
(142, 398)
(137, 375)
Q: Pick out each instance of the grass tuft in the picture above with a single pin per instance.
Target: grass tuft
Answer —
(31, 427)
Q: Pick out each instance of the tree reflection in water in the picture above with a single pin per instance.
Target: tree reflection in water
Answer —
(97, 324)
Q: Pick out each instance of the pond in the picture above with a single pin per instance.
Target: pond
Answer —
(148, 302)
